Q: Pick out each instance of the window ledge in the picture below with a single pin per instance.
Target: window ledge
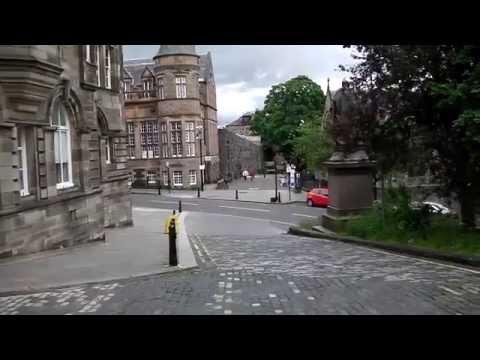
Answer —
(65, 186)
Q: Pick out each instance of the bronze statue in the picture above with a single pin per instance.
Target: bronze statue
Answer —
(347, 125)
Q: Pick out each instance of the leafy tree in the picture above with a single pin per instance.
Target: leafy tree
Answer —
(312, 146)
(431, 94)
(287, 107)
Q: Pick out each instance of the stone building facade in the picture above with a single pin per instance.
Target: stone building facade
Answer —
(63, 163)
(239, 149)
(242, 125)
(171, 115)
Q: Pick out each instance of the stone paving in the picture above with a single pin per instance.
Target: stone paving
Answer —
(274, 275)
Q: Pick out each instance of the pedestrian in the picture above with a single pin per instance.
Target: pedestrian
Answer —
(252, 173)
(245, 174)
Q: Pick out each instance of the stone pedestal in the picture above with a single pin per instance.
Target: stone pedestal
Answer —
(350, 191)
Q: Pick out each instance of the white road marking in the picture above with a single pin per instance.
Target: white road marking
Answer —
(425, 261)
(256, 219)
(164, 202)
(189, 203)
(149, 209)
(450, 290)
(309, 216)
(242, 208)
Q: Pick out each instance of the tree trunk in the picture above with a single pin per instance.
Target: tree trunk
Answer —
(468, 196)
(383, 196)
(467, 207)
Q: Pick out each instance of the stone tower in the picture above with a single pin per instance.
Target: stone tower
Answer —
(172, 118)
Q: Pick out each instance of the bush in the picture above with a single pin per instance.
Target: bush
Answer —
(398, 220)
(399, 211)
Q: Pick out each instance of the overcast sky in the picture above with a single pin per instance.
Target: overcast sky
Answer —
(245, 73)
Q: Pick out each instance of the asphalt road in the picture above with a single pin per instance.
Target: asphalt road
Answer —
(249, 265)
(287, 214)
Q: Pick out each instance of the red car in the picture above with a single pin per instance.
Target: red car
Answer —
(318, 197)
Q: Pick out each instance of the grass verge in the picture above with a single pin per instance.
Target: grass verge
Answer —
(444, 234)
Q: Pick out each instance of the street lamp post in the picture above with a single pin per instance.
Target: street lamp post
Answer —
(276, 181)
(168, 175)
(289, 194)
(199, 137)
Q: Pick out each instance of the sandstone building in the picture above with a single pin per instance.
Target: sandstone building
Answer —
(171, 115)
(63, 158)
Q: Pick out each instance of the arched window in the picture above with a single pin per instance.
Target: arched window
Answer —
(161, 89)
(106, 149)
(63, 147)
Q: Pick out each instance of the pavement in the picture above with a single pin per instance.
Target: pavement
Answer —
(249, 265)
(134, 251)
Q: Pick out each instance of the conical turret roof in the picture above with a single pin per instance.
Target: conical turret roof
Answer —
(166, 50)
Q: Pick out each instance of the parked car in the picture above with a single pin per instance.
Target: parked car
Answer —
(318, 197)
(433, 207)
(437, 208)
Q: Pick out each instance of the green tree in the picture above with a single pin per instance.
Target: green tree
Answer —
(312, 146)
(287, 107)
(431, 93)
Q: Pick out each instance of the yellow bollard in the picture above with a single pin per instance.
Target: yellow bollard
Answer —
(167, 223)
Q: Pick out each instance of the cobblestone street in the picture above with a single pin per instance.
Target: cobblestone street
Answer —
(273, 275)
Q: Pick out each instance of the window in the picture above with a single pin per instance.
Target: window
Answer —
(149, 139)
(88, 56)
(97, 62)
(147, 87)
(161, 89)
(190, 149)
(177, 178)
(165, 151)
(151, 177)
(107, 151)
(193, 177)
(181, 85)
(62, 143)
(108, 67)
(22, 161)
(176, 138)
(131, 139)
(163, 128)
(190, 138)
(164, 138)
(128, 88)
(165, 178)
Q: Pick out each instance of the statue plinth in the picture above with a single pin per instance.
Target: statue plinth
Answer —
(350, 191)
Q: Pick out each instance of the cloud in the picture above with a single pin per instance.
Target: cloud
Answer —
(245, 73)
(237, 98)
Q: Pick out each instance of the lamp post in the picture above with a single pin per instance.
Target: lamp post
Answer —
(199, 137)
(168, 175)
(275, 159)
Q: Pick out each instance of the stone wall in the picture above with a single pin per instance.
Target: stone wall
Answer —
(34, 81)
(238, 154)
(60, 223)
